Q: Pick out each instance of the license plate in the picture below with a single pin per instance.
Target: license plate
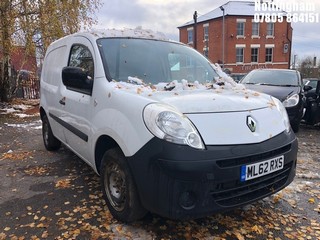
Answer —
(259, 169)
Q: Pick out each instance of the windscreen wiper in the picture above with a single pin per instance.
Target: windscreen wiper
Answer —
(288, 85)
(252, 83)
(267, 84)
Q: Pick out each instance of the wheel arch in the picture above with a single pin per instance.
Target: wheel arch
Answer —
(103, 144)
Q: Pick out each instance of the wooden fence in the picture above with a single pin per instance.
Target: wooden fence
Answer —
(29, 88)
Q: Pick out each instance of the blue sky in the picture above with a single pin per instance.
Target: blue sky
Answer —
(166, 15)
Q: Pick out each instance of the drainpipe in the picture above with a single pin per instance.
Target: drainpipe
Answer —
(290, 44)
(223, 38)
(195, 16)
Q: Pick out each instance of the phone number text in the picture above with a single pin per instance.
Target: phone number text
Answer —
(308, 17)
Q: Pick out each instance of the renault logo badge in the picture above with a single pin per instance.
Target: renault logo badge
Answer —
(251, 123)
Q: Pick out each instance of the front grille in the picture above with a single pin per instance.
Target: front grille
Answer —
(237, 193)
(252, 158)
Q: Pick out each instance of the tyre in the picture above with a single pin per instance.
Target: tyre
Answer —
(119, 189)
(50, 141)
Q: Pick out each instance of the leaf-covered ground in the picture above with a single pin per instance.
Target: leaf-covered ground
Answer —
(57, 196)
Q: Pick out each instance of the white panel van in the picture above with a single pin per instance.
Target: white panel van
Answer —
(167, 131)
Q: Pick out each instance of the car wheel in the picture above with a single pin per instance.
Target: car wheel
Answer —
(50, 141)
(119, 188)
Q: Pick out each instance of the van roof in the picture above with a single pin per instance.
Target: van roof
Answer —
(126, 33)
(114, 33)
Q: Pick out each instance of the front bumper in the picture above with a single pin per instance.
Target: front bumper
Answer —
(180, 182)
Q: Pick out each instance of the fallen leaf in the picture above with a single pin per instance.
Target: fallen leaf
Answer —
(3, 236)
(16, 155)
(311, 200)
(277, 198)
(40, 225)
(36, 171)
(257, 229)
(64, 183)
(239, 236)
(45, 234)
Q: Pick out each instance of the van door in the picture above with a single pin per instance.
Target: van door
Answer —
(51, 88)
(78, 102)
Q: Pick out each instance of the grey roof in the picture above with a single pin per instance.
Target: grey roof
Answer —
(232, 8)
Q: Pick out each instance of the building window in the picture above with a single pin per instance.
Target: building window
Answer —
(190, 36)
(254, 54)
(270, 29)
(239, 54)
(240, 28)
(269, 53)
(255, 29)
(206, 33)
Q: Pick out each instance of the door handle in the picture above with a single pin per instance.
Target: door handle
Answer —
(63, 101)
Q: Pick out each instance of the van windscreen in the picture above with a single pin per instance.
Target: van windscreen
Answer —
(153, 61)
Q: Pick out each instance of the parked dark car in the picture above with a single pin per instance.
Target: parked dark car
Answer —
(284, 84)
(312, 114)
(312, 82)
(237, 76)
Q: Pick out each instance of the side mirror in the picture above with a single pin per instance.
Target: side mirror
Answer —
(77, 79)
(307, 88)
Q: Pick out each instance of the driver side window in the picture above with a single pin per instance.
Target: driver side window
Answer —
(81, 57)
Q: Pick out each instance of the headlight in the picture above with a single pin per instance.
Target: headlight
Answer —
(291, 101)
(166, 123)
(283, 112)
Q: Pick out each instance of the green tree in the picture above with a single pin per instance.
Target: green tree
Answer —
(35, 24)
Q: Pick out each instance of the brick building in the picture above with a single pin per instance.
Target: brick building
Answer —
(23, 79)
(20, 60)
(245, 44)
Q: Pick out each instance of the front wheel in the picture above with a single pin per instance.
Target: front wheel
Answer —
(50, 141)
(119, 188)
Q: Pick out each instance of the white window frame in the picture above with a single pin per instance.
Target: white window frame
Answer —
(268, 35)
(256, 55)
(258, 29)
(206, 32)
(242, 29)
(269, 47)
(242, 22)
(190, 30)
(240, 47)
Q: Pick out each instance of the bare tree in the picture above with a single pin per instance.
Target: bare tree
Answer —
(308, 67)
